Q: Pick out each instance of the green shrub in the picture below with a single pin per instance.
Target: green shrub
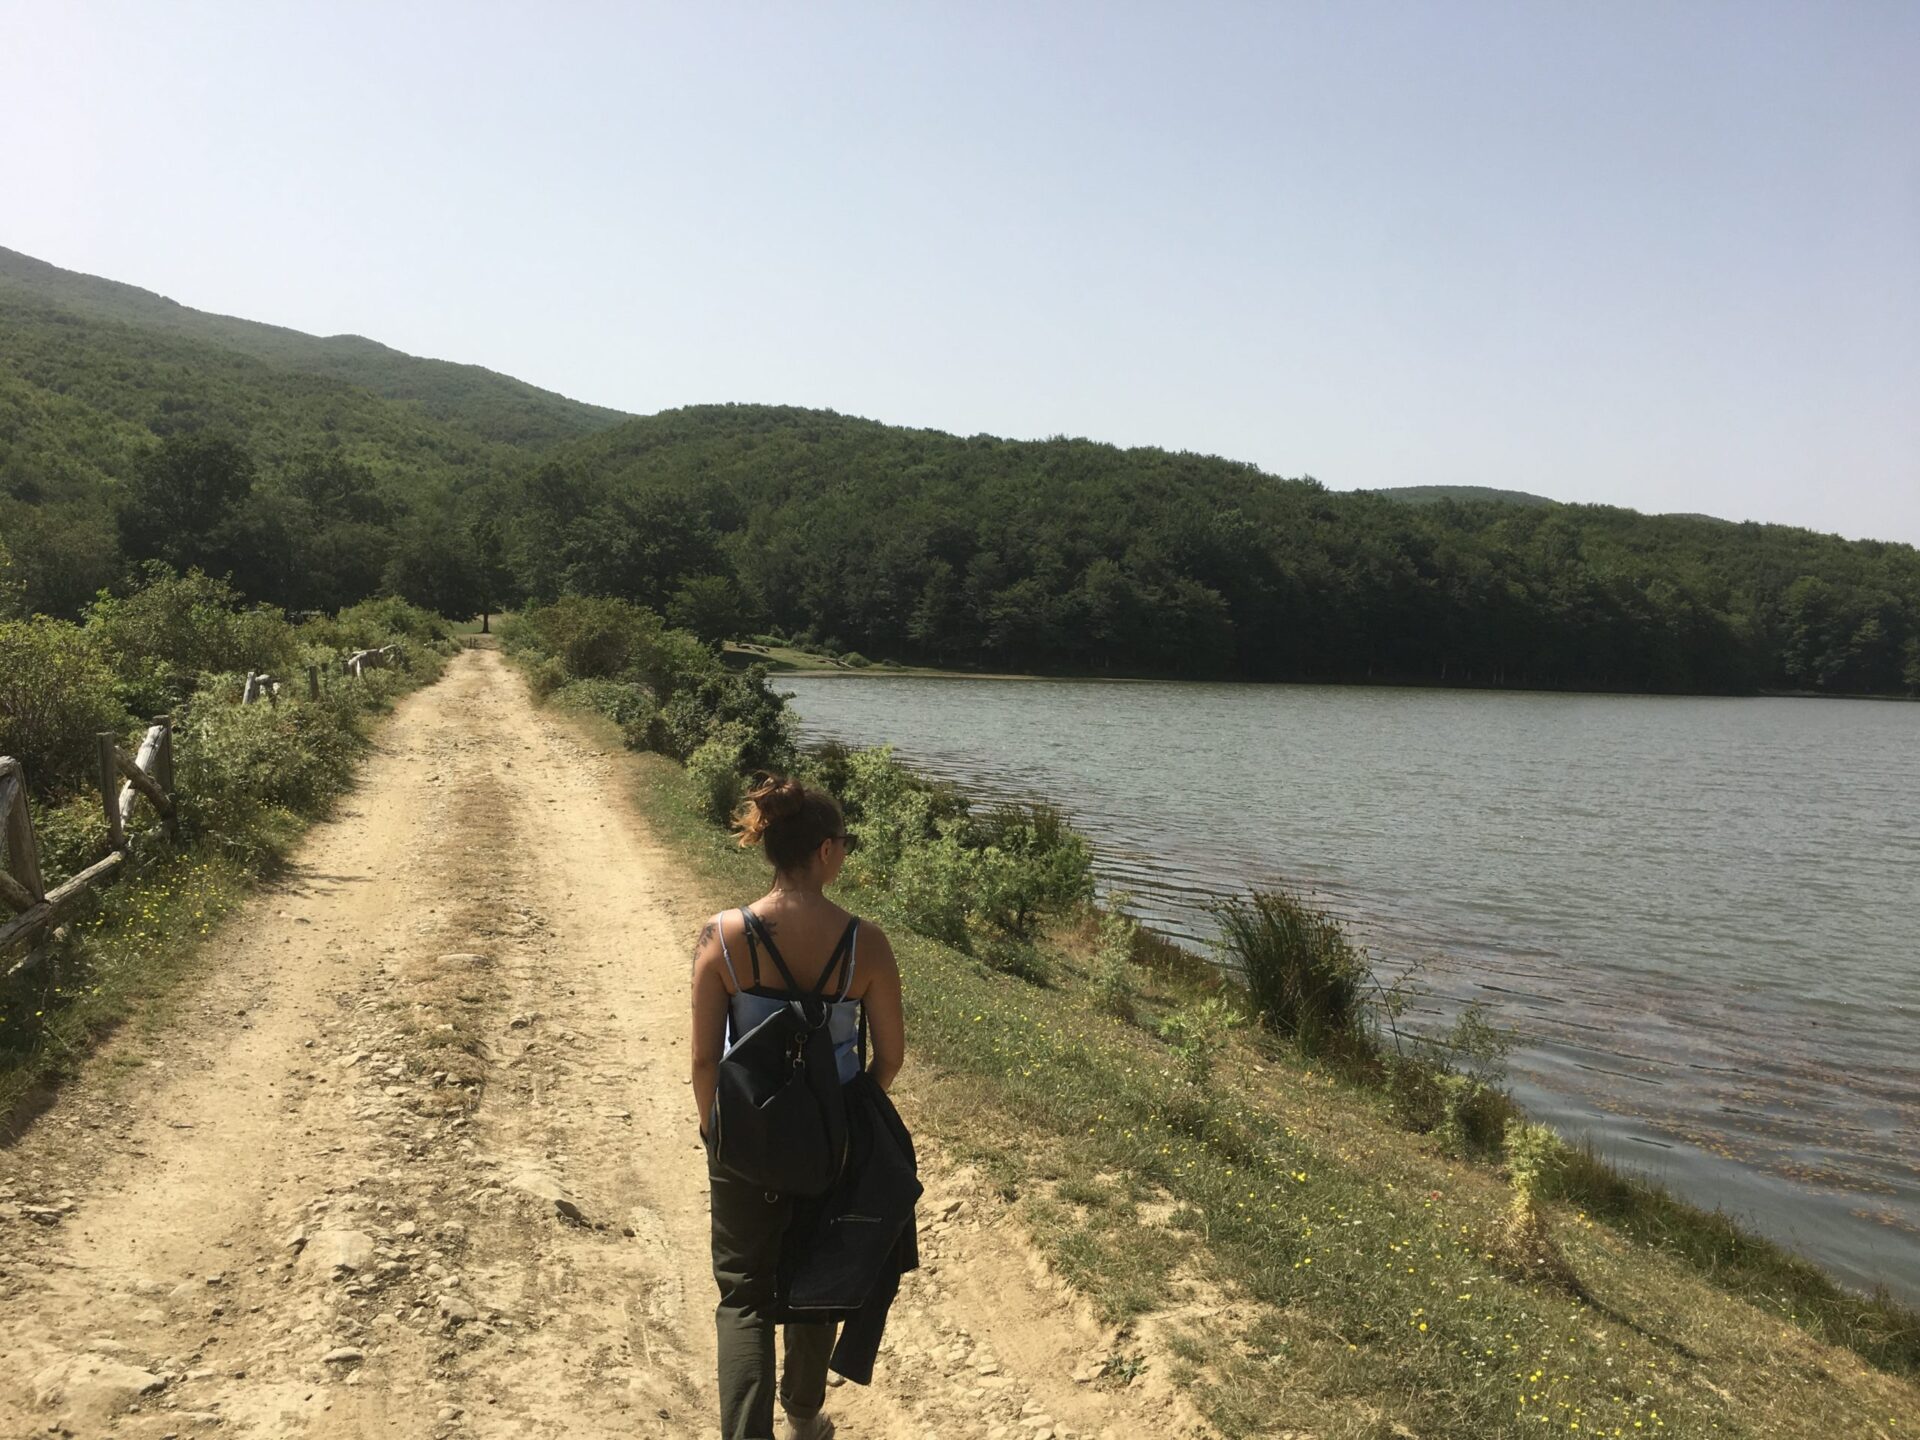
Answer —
(1534, 1155)
(1018, 958)
(721, 698)
(235, 764)
(546, 678)
(1306, 978)
(1451, 1085)
(932, 882)
(161, 638)
(593, 637)
(855, 660)
(891, 807)
(1195, 1034)
(1035, 863)
(621, 702)
(385, 619)
(827, 766)
(71, 834)
(1113, 983)
(714, 769)
(56, 694)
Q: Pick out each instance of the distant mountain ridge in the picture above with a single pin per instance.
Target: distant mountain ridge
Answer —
(1488, 495)
(489, 405)
(1428, 494)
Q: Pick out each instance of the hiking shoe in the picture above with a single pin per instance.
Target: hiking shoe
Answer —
(814, 1427)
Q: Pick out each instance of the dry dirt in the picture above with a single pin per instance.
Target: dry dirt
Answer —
(416, 1158)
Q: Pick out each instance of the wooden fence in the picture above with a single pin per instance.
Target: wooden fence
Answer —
(263, 686)
(125, 780)
(27, 908)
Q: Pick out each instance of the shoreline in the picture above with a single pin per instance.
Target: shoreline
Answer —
(879, 671)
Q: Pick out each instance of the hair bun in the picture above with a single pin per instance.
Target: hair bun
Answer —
(789, 819)
(772, 799)
(779, 798)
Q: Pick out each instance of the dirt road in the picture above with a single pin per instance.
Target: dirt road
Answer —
(307, 1210)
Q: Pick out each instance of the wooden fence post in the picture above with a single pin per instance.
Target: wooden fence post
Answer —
(20, 886)
(313, 682)
(23, 851)
(163, 763)
(23, 889)
(110, 790)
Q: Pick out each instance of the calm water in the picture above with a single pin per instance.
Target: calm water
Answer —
(1702, 916)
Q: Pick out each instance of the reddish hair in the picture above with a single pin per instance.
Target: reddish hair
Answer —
(789, 820)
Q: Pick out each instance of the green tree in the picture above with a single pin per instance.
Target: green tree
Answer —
(712, 607)
(181, 503)
(12, 589)
(434, 565)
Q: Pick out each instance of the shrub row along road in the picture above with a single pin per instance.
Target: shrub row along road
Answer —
(413, 1154)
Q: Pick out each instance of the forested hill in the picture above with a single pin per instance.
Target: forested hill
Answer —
(315, 472)
(482, 402)
(1072, 556)
(326, 484)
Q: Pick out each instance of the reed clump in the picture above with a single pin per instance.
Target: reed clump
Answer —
(1307, 980)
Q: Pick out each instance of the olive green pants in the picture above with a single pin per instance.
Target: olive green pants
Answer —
(748, 1226)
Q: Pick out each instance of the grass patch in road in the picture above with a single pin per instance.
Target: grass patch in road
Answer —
(124, 960)
(1354, 1265)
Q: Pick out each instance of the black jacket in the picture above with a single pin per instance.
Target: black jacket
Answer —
(847, 1250)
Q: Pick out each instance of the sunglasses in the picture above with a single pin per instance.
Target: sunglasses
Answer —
(852, 842)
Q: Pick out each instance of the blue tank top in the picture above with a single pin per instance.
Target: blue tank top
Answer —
(749, 1005)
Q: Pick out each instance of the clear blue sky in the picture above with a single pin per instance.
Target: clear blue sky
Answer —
(1658, 254)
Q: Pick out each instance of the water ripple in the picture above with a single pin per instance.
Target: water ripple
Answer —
(1698, 914)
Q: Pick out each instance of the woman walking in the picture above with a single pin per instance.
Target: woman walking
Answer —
(794, 931)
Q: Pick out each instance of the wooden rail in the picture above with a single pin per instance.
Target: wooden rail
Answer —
(125, 780)
(263, 686)
(27, 908)
(362, 661)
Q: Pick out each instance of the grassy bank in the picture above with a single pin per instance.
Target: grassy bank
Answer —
(1313, 1265)
(249, 780)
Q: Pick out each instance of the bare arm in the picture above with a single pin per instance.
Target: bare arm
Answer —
(709, 1017)
(886, 1018)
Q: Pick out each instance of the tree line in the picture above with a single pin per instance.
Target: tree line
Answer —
(1057, 556)
(1068, 556)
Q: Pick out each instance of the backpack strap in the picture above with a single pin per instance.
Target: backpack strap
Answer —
(756, 929)
(841, 962)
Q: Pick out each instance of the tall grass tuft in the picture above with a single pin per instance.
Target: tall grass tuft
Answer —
(1534, 1154)
(1113, 986)
(1307, 980)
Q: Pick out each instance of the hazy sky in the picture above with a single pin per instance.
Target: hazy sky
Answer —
(1664, 255)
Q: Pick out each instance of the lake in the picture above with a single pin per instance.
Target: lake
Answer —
(1701, 917)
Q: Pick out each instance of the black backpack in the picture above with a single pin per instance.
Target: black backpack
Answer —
(779, 1118)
